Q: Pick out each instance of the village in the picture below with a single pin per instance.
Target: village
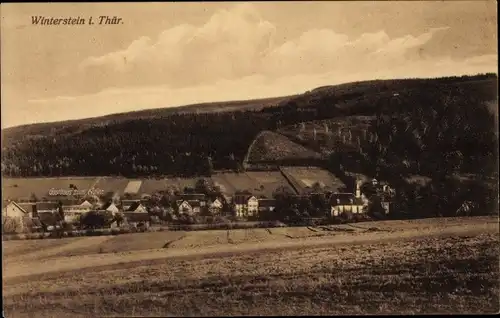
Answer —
(205, 203)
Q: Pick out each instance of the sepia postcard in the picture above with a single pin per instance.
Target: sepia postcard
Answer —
(218, 159)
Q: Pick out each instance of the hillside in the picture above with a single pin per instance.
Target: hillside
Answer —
(194, 140)
(270, 146)
(329, 135)
(53, 128)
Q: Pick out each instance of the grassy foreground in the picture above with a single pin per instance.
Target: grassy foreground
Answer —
(451, 274)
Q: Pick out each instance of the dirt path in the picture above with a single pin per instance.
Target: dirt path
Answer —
(14, 268)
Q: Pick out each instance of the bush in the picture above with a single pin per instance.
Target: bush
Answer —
(10, 224)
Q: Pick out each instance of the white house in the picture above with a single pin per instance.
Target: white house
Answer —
(347, 202)
(245, 205)
(110, 207)
(73, 212)
(215, 206)
(188, 207)
(137, 207)
(16, 218)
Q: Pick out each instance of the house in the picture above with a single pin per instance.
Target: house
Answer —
(215, 206)
(126, 204)
(110, 207)
(30, 208)
(346, 203)
(15, 218)
(47, 207)
(267, 205)
(188, 207)
(136, 207)
(194, 196)
(73, 212)
(245, 205)
(386, 193)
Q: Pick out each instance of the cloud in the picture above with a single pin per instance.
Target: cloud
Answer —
(238, 42)
(236, 55)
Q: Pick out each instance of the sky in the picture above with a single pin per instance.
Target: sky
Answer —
(173, 54)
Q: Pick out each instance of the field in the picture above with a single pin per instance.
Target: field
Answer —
(304, 178)
(447, 265)
(270, 146)
(259, 183)
(15, 188)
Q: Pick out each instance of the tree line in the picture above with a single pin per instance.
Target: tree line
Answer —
(442, 124)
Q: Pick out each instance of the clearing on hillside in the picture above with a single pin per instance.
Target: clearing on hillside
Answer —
(270, 146)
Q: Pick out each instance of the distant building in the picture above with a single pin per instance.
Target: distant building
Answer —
(15, 218)
(245, 205)
(341, 203)
(110, 207)
(215, 206)
(42, 207)
(136, 207)
(188, 207)
(73, 212)
(345, 203)
(126, 204)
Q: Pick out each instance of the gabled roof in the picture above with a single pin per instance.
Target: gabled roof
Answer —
(216, 199)
(105, 206)
(242, 198)
(23, 207)
(344, 199)
(27, 207)
(134, 206)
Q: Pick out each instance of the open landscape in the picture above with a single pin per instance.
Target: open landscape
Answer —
(424, 266)
(331, 158)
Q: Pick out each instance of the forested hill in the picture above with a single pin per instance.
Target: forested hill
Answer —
(180, 142)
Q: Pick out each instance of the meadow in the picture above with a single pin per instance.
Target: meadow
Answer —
(261, 183)
(447, 265)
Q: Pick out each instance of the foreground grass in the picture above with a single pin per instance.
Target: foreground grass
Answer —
(428, 275)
